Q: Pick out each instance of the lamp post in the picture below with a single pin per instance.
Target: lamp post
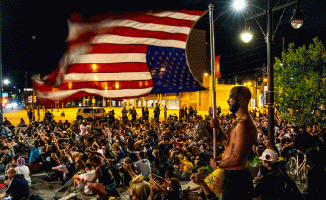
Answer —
(270, 73)
(296, 22)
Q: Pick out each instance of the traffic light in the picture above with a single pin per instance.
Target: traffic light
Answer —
(5, 101)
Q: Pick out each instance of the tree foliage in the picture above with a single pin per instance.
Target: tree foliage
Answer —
(300, 86)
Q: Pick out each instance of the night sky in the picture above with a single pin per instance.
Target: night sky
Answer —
(34, 31)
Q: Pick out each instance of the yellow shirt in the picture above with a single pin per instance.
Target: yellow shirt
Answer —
(215, 181)
(187, 166)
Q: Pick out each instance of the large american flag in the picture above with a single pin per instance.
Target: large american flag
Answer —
(123, 55)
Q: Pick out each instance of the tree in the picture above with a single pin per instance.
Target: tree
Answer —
(300, 86)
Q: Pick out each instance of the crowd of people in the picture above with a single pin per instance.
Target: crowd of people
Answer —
(151, 157)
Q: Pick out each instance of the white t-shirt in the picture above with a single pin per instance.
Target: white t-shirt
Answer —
(63, 169)
(144, 167)
(87, 177)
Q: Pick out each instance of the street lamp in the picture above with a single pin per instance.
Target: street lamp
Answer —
(246, 36)
(6, 81)
(296, 22)
(239, 4)
(297, 18)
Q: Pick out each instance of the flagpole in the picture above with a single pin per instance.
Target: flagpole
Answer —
(1, 84)
(212, 49)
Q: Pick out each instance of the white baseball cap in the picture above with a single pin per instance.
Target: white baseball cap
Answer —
(270, 155)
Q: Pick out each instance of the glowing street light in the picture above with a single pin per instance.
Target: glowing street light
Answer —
(6, 81)
(239, 4)
(246, 36)
(297, 18)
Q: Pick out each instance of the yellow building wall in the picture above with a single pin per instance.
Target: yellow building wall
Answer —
(202, 100)
(222, 95)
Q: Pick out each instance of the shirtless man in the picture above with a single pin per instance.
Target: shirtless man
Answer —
(237, 183)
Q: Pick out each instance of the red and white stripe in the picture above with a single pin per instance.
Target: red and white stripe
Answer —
(108, 57)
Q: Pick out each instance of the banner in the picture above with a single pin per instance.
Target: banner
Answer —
(217, 66)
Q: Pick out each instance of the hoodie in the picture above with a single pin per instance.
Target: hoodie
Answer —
(18, 187)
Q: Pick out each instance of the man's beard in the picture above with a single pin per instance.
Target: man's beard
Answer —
(234, 108)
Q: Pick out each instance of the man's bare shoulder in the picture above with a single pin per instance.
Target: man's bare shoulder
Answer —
(247, 126)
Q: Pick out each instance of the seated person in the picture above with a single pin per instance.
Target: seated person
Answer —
(22, 123)
(10, 165)
(35, 151)
(214, 180)
(7, 123)
(17, 183)
(6, 158)
(80, 179)
(185, 168)
(165, 189)
(23, 169)
(106, 183)
(139, 188)
(143, 165)
(126, 176)
(62, 168)
(275, 179)
(199, 180)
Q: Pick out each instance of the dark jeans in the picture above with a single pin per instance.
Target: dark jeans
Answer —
(237, 185)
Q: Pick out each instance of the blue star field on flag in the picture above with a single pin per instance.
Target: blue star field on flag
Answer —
(170, 71)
